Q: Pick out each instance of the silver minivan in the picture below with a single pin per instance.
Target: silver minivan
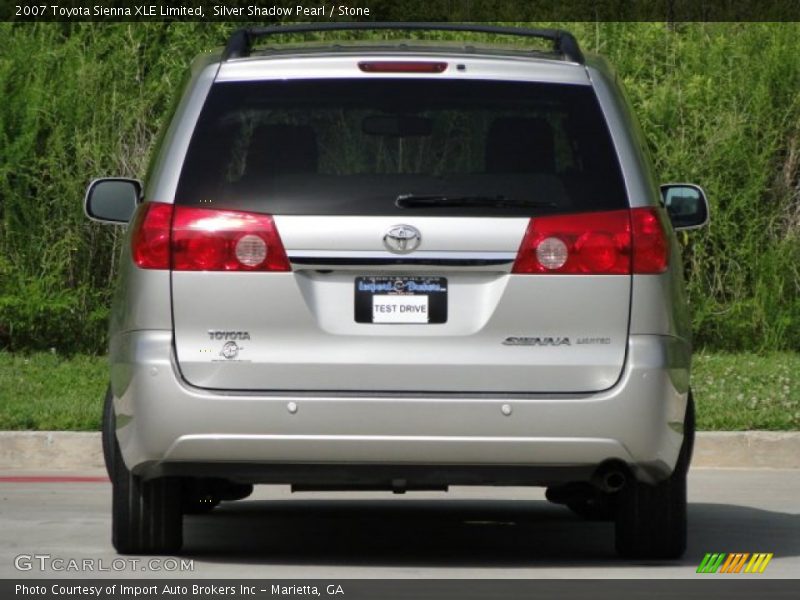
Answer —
(400, 265)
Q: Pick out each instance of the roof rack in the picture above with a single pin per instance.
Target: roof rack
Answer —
(241, 42)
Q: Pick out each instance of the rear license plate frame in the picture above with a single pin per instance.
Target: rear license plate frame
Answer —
(367, 287)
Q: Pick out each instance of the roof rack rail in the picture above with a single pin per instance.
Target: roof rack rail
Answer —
(241, 42)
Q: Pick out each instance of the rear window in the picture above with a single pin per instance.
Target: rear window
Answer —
(400, 147)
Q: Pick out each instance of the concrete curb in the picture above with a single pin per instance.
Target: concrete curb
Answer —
(50, 450)
(747, 449)
(78, 451)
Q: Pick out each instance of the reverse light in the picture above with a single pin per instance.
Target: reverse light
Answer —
(251, 250)
(552, 253)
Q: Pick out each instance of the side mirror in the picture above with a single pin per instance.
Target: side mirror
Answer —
(112, 200)
(686, 204)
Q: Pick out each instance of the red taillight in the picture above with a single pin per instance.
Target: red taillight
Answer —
(199, 239)
(650, 243)
(150, 237)
(601, 243)
(597, 243)
(225, 240)
(386, 66)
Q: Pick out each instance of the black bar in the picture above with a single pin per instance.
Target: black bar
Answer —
(377, 476)
(241, 42)
(335, 588)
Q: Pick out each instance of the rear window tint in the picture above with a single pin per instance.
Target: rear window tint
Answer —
(354, 146)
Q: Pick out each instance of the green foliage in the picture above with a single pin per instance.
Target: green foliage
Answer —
(719, 105)
(45, 391)
(80, 101)
(747, 391)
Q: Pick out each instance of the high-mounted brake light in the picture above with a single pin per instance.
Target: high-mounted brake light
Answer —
(198, 239)
(385, 66)
(603, 243)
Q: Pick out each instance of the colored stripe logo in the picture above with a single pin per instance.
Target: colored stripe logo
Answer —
(734, 562)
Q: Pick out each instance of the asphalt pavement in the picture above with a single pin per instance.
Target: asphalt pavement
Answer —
(465, 533)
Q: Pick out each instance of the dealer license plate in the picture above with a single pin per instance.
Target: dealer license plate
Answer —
(401, 299)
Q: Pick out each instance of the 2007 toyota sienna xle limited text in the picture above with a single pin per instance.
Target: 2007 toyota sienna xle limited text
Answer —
(400, 265)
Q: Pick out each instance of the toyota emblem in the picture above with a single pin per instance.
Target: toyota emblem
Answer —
(402, 239)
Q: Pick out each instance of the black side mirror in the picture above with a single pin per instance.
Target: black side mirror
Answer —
(112, 200)
(686, 204)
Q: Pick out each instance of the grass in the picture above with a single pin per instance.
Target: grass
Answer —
(46, 391)
(747, 391)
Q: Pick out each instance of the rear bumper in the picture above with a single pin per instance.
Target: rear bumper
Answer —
(165, 426)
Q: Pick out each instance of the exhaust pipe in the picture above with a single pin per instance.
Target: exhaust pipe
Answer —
(610, 477)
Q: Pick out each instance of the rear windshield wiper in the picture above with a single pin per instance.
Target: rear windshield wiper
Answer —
(422, 201)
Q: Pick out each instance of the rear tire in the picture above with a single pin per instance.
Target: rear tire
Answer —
(146, 516)
(107, 431)
(651, 519)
